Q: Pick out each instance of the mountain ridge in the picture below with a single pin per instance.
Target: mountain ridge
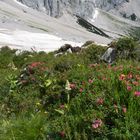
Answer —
(84, 8)
(120, 11)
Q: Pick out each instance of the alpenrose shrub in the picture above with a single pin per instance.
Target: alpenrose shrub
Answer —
(101, 104)
(32, 73)
(6, 56)
(86, 101)
(125, 47)
(95, 101)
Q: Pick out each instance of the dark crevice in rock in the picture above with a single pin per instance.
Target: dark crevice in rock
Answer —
(91, 28)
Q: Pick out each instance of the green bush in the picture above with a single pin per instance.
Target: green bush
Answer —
(67, 62)
(125, 47)
(87, 43)
(22, 58)
(6, 57)
(93, 53)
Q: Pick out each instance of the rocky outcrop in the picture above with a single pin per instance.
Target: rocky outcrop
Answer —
(83, 8)
(64, 48)
(110, 55)
(51, 7)
(67, 48)
(75, 49)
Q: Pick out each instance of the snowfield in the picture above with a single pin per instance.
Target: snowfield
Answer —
(25, 40)
(95, 15)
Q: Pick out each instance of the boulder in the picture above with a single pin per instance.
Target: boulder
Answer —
(110, 55)
(65, 48)
(133, 17)
(75, 49)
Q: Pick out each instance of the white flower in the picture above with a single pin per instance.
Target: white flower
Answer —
(67, 87)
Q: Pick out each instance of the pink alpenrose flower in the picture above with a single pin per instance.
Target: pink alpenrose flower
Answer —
(100, 101)
(90, 81)
(122, 77)
(96, 124)
(62, 134)
(72, 86)
(124, 109)
(129, 88)
(137, 93)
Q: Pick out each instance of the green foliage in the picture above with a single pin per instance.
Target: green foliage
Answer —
(125, 47)
(22, 128)
(93, 53)
(70, 97)
(65, 63)
(136, 51)
(87, 43)
(22, 58)
(6, 56)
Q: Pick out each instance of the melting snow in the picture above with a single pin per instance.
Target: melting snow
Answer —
(24, 40)
(95, 15)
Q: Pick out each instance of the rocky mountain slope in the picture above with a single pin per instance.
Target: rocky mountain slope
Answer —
(57, 17)
(85, 8)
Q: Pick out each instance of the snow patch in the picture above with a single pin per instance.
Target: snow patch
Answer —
(24, 40)
(19, 3)
(95, 15)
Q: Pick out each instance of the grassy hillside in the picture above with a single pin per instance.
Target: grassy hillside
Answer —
(72, 96)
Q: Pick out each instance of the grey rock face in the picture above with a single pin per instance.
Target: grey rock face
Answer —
(114, 17)
(83, 8)
(109, 56)
(51, 7)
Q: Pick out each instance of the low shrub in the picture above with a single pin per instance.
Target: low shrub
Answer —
(93, 53)
(125, 47)
(6, 56)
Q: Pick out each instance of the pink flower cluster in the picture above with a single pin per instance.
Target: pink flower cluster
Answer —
(62, 134)
(131, 81)
(137, 93)
(97, 123)
(90, 81)
(124, 109)
(35, 64)
(100, 101)
(72, 85)
(122, 77)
